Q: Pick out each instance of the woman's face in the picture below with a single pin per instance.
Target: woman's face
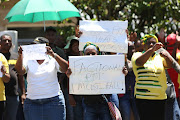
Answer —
(90, 51)
(150, 43)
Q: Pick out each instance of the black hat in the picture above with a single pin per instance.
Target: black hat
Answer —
(40, 40)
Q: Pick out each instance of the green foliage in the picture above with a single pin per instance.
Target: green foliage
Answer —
(3, 1)
(65, 31)
(146, 16)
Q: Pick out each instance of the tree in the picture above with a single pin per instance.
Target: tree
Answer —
(146, 16)
(3, 1)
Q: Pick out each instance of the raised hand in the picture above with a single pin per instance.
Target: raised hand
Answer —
(157, 46)
(3, 69)
(50, 51)
(68, 72)
(20, 50)
(77, 32)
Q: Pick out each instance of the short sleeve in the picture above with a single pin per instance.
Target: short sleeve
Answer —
(57, 66)
(134, 57)
(5, 63)
(164, 63)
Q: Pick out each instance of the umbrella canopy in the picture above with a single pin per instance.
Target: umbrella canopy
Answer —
(42, 10)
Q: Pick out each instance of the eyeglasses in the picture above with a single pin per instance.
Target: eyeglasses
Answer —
(93, 53)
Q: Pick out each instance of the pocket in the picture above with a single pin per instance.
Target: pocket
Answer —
(27, 104)
(59, 100)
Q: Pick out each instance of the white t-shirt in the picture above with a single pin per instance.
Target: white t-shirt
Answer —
(42, 78)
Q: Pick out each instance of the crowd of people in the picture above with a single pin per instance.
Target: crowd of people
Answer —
(38, 89)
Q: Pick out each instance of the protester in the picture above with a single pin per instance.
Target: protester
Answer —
(150, 87)
(51, 35)
(172, 107)
(95, 106)
(11, 88)
(44, 98)
(54, 40)
(4, 79)
(127, 100)
(176, 55)
(59, 42)
(72, 49)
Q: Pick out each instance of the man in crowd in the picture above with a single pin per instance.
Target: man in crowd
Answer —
(11, 88)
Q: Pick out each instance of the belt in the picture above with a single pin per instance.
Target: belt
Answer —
(44, 100)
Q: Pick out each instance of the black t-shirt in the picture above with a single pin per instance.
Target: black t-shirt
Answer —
(11, 88)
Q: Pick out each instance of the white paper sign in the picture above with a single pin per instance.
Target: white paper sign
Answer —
(0, 69)
(34, 52)
(100, 74)
(110, 36)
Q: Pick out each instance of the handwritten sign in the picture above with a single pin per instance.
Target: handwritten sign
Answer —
(0, 69)
(97, 74)
(34, 52)
(110, 36)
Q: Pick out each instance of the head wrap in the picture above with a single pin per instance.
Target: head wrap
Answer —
(145, 38)
(90, 44)
(92, 47)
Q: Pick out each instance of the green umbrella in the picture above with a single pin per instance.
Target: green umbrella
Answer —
(42, 10)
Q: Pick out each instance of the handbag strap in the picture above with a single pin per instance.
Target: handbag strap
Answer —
(105, 97)
(168, 77)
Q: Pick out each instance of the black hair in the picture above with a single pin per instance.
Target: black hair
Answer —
(72, 42)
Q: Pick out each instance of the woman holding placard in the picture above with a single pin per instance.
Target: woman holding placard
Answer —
(95, 106)
(44, 100)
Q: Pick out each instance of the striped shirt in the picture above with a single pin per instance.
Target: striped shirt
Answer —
(178, 57)
(150, 78)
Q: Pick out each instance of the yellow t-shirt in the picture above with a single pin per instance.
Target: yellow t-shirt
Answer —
(150, 78)
(178, 57)
(2, 88)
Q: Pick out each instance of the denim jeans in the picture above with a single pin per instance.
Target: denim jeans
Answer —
(97, 112)
(45, 109)
(11, 108)
(114, 98)
(78, 109)
(126, 103)
(176, 110)
(172, 110)
(69, 108)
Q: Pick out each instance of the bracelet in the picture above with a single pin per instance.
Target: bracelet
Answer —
(55, 55)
